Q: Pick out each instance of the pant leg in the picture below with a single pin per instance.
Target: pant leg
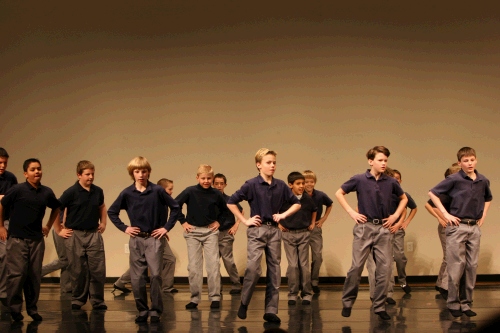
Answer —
(3, 265)
(256, 242)
(212, 263)
(273, 274)
(195, 264)
(78, 266)
(361, 247)
(17, 264)
(33, 280)
(124, 279)
(471, 259)
(226, 253)
(138, 267)
(305, 273)
(293, 271)
(370, 266)
(61, 263)
(382, 251)
(455, 259)
(316, 243)
(154, 258)
(96, 264)
(168, 269)
(399, 256)
(442, 280)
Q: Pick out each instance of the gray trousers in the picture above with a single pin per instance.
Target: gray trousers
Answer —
(462, 253)
(203, 243)
(442, 280)
(226, 253)
(87, 266)
(3, 265)
(371, 266)
(296, 246)
(61, 263)
(24, 264)
(369, 237)
(263, 239)
(146, 253)
(316, 243)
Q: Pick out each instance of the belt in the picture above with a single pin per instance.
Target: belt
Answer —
(296, 231)
(144, 234)
(270, 223)
(468, 221)
(375, 221)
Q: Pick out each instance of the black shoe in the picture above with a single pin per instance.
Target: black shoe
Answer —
(191, 305)
(346, 312)
(383, 315)
(36, 317)
(469, 313)
(100, 307)
(242, 311)
(272, 318)
(456, 313)
(173, 291)
(316, 289)
(437, 288)
(235, 291)
(17, 316)
(75, 307)
(215, 305)
(155, 319)
(292, 302)
(390, 300)
(141, 319)
(406, 288)
(122, 289)
(306, 302)
(444, 293)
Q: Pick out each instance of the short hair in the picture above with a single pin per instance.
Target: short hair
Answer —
(263, 152)
(205, 168)
(294, 176)
(164, 182)
(377, 149)
(451, 170)
(27, 163)
(82, 165)
(465, 151)
(389, 172)
(138, 162)
(309, 174)
(220, 175)
(3, 153)
(394, 171)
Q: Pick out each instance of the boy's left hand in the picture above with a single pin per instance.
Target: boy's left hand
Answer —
(45, 231)
(101, 227)
(159, 233)
(233, 230)
(278, 217)
(282, 228)
(389, 221)
(393, 229)
(214, 226)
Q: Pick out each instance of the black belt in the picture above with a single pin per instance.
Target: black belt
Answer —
(375, 221)
(144, 234)
(296, 231)
(270, 223)
(468, 221)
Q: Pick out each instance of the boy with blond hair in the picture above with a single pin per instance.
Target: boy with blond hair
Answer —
(470, 197)
(316, 240)
(265, 195)
(205, 208)
(145, 205)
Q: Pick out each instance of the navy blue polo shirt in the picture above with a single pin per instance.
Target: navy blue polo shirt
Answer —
(7, 180)
(27, 205)
(467, 196)
(229, 219)
(264, 199)
(204, 205)
(145, 210)
(303, 218)
(83, 211)
(445, 200)
(320, 199)
(375, 197)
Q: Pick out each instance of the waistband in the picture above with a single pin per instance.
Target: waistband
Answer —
(86, 230)
(143, 234)
(468, 221)
(296, 231)
(375, 221)
(268, 223)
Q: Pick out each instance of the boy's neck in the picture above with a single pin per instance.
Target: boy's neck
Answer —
(85, 186)
(267, 178)
(35, 185)
(140, 187)
(375, 173)
(471, 175)
(310, 193)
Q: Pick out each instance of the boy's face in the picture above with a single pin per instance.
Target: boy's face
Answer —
(34, 173)
(141, 176)
(468, 163)
(397, 177)
(379, 163)
(205, 179)
(170, 188)
(309, 185)
(86, 178)
(297, 186)
(3, 164)
(268, 165)
(220, 184)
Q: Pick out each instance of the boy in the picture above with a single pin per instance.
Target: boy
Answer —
(316, 239)
(265, 195)
(470, 198)
(26, 204)
(85, 222)
(296, 231)
(145, 205)
(227, 230)
(7, 180)
(205, 208)
(375, 192)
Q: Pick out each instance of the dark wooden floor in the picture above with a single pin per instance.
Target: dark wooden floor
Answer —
(421, 311)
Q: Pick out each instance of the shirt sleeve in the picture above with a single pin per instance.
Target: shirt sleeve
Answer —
(443, 187)
(487, 194)
(114, 212)
(181, 199)
(326, 200)
(411, 203)
(350, 185)
(52, 201)
(174, 209)
(9, 198)
(65, 199)
(240, 195)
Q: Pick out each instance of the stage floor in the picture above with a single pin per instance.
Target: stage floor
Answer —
(421, 311)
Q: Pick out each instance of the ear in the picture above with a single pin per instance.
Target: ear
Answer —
(290, 185)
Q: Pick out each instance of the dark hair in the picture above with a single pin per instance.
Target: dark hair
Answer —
(397, 171)
(293, 176)
(3, 153)
(27, 163)
(389, 172)
(465, 151)
(82, 165)
(375, 150)
(220, 175)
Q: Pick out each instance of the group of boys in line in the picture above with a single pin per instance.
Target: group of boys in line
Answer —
(290, 212)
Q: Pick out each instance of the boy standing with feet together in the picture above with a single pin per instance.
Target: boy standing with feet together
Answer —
(145, 205)
(265, 195)
(470, 197)
(374, 191)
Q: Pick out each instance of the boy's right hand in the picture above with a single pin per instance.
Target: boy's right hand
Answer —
(450, 218)
(66, 233)
(3, 233)
(253, 221)
(132, 231)
(443, 223)
(357, 217)
(188, 227)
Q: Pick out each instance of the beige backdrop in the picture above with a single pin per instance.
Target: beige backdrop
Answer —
(184, 84)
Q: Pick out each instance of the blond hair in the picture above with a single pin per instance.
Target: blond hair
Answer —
(309, 174)
(164, 182)
(138, 162)
(205, 168)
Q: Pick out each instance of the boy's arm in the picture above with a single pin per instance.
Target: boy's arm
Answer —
(59, 225)
(253, 221)
(290, 211)
(485, 211)
(114, 216)
(412, 214)
(319, 223)
(103, 217)
(403, 200)
(313, 221)
(234, 228)
(3, 231)
(358, 218)
(396, 226)
(54, 213)
(447, 216)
